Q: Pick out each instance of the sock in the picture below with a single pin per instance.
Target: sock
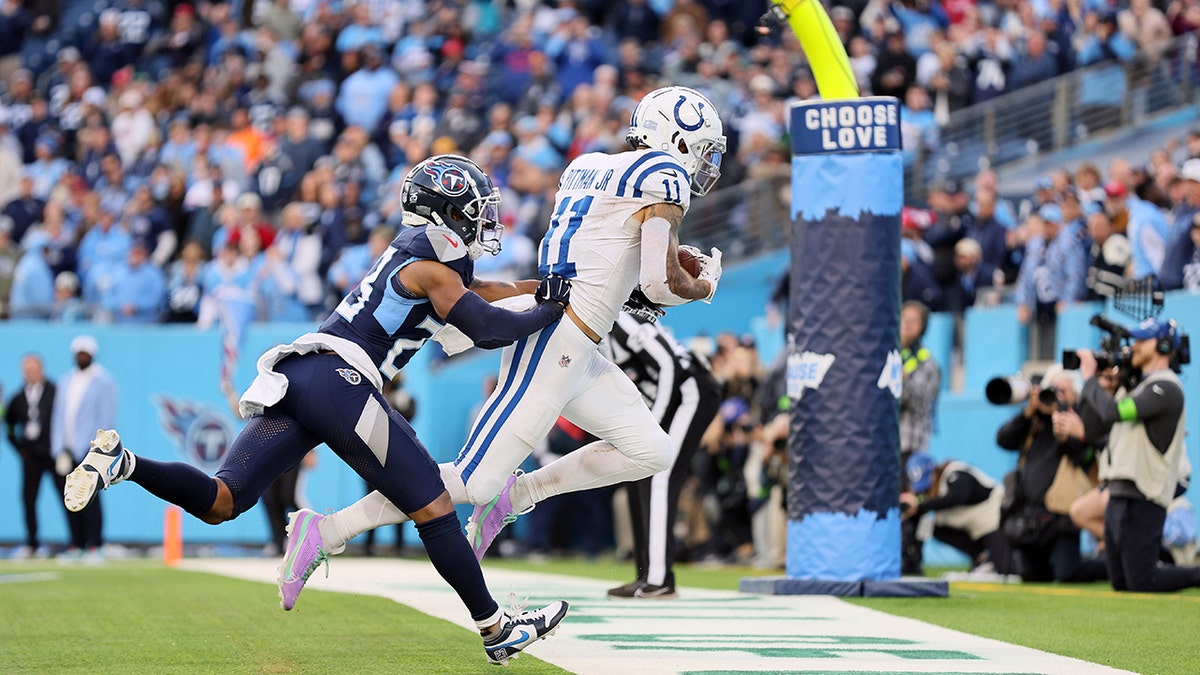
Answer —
(594, 465)
(452, 557)
(176, 482)
(368, 513)
(375, 510)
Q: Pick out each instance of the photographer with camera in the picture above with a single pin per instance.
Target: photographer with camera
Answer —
(1048, 428)
(965, 503)
(1145, 459)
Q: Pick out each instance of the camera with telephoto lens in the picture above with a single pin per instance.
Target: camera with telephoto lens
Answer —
(1115, 352)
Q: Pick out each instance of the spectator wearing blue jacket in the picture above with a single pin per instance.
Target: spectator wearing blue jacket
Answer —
(86, 401)
(1146, 228)
(137, 291)
(1181, 249)
(363, 98)
(32, 294)
(1101, 90)
(1053, 275)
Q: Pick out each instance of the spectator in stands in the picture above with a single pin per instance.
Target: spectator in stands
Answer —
(288, 278)
(949, 202)
(1180, 249)
(1101, 90)
(47, 169)
(1052, 276)
(61, 251)
(1089, 185)
(985, 228)
(975, 277)
(10, 255)
(1109, 256)
(635, 19)
(137, 290)
(25, 209)
(354, 262)
(916, 278)
(362, 100)
(32, 294)
(133, 127)
(896, 69)
(918, 128)
(184, 285)
(1146, 228)
(1191, 270)
(102, 251)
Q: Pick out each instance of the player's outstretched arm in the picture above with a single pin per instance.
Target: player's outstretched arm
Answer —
(498, 290)
(488, 326)
(663, 279)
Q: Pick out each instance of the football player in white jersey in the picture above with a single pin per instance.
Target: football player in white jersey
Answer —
(615, 227)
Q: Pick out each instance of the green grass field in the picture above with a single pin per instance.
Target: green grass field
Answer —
(138, 617)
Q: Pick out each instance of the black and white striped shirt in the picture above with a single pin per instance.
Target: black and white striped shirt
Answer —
(654, 360)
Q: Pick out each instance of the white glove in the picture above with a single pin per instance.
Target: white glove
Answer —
(710, 271)
(64, 463)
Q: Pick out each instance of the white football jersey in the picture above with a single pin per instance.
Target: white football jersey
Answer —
(593, 239)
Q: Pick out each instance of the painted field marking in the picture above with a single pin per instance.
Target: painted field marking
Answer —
(705, 632)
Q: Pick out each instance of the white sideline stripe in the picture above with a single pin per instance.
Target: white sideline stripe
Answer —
(29, 576)
(699, 617)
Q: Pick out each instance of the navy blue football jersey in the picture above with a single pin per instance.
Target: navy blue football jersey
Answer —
(381, 316)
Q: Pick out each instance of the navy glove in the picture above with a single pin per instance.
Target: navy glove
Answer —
(639, 305)
(554, 288)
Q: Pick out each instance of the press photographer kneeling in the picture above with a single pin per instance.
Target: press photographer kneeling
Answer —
(1145, 458)
(1049, 435)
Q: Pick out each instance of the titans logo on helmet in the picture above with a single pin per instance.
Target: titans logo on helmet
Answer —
(448, 177)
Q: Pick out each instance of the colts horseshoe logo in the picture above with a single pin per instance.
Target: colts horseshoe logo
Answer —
(679, 120)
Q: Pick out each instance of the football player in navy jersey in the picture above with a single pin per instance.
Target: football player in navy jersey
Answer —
(325, 387)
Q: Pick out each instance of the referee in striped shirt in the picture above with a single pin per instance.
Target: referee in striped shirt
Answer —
(684, 397)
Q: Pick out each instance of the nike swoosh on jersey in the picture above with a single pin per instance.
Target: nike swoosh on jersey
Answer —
(451, 240)
(1156, 389)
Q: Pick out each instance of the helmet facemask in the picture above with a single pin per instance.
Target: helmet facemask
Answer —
(708, 154)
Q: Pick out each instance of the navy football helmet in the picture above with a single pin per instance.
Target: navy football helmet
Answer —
(457, 202)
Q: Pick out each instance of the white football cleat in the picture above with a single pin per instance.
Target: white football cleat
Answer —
(107, 463)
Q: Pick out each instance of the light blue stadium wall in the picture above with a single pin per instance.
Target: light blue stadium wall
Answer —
(182, 363)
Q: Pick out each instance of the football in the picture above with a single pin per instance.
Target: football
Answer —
(689, 262)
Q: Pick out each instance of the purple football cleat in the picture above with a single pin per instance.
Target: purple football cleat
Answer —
(488, 519)
(302, 554)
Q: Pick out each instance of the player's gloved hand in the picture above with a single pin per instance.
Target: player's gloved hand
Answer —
(710, 270)
(554, 288)
(691, 249)
(64, 463)
(639, 305)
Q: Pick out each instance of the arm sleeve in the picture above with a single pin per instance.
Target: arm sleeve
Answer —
(961, 490)
(656, 238)
(1101, 402)
(1013, 433)
(490, 327)
(1158, 398)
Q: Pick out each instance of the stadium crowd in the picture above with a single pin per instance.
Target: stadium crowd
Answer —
(156, 157)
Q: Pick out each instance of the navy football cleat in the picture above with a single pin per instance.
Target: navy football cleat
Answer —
(518, 632)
